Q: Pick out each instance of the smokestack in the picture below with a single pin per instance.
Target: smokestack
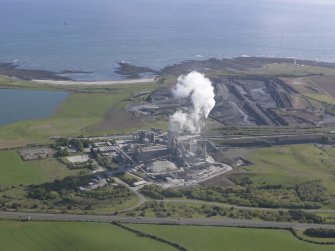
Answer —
(173, 133)
(205, 137)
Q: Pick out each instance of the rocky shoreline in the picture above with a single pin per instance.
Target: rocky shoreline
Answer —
(131, 71)
(12, 70)
(236, 64)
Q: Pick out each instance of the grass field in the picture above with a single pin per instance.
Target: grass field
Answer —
(35, 236)
(196, 238)
(276, 69)
(284, 69)
(14, 171)
(326, 83)
(292, 164)
(78, 115)
(321, 97)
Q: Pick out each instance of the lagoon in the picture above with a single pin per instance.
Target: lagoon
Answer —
(17, 105)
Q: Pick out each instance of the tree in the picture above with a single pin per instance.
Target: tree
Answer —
(61, 142)
(61, 152)
(102, 161)
(77, 143)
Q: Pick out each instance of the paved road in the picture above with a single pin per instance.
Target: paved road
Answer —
(200, 222)
(141, 199)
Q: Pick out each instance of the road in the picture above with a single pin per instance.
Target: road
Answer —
(226, 222)
(141, 199)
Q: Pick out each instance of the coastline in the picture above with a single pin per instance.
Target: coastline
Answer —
(90, 83)
(237, 65)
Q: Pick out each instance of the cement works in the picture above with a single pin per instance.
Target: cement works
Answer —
(166, 159)
(185, 155)
(180, 157)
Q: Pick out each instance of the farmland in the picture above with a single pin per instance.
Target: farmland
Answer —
(16, 235)
(292, 164)
(215, 238)
(14, 171)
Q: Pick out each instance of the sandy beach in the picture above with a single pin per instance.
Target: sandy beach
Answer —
(108, 82)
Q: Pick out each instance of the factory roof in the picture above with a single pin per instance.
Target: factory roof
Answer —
(139, 183)
(106, 149)
(154, 148)
(162, 167)
(101, 144)
(78, 159)
(187, 137)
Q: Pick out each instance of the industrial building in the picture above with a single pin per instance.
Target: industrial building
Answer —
(173, 158)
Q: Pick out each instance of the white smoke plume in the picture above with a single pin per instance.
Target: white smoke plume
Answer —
(201, 91)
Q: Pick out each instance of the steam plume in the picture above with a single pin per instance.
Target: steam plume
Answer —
(201, 91)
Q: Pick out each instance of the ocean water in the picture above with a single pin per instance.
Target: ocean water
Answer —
(93, 35)
(16, 105)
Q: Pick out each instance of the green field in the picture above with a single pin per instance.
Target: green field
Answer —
(34, 236)
(14, 171)
(17, 235)
(321, 97)
(292, 164)
(284, 69)
(197, 238)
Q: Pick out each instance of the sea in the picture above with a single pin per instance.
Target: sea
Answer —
(94, 35)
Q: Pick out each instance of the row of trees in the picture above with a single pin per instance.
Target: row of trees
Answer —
(48, 190)
(61, 144)
(166, 209)
(306, 195)
(108, 193)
